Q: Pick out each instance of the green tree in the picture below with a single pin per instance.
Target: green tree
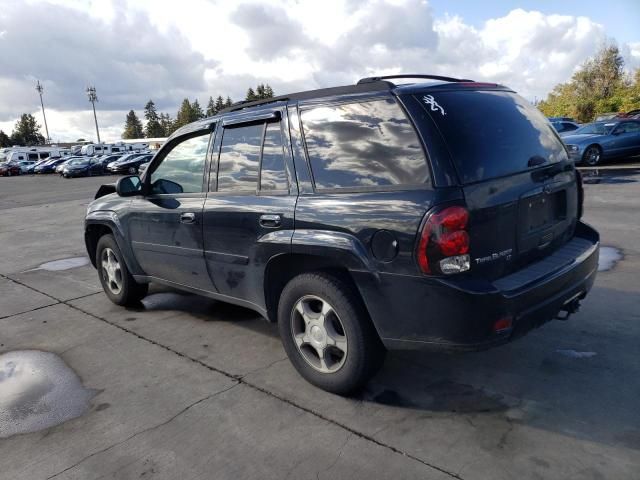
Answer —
(27, 131)
(5, 141)
(260, 91)
(196, 111)
(132, 126)
(597, 87)
(268, 92)
(184, 114)
(153, 128)
(211, 108)
(251, 95)
(167, 124)
(228, 102)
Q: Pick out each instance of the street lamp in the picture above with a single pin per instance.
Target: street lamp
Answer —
(40, 89)
(93, 98)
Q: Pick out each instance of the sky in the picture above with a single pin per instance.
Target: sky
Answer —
(136, 50)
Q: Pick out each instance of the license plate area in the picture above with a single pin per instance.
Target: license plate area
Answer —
(540, 215)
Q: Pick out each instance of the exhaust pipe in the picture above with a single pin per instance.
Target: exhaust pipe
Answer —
(570, 307)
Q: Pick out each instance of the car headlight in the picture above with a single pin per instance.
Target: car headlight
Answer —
(573, 148)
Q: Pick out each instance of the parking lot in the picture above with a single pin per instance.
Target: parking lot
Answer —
(186, 387)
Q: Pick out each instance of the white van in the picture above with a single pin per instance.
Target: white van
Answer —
(33, 154)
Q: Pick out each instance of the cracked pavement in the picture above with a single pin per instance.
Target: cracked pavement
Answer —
(189, 388)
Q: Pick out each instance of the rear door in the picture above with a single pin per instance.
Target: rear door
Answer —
(518, 183)
(248, 214)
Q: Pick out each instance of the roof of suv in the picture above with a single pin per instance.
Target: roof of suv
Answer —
(364, 85)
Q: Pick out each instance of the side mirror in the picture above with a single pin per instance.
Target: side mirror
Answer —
(129, 186)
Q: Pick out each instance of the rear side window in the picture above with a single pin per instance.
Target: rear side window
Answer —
(240, 158)
(252, 159)
(491, 133)
(272, 170)
(33, 156)
(363, 145)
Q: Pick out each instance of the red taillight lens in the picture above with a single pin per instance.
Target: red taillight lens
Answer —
(454, 243)
(443, 235)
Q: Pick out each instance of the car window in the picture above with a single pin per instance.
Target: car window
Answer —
(239, 158)
(363, 145)
(273, 175)
(629, 127)
(568, 127)
(182, 169)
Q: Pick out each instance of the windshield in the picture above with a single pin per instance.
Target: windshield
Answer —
(594, 129)
(491, 133)
(78, 161)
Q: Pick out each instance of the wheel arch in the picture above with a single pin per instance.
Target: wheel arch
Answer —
(595, 144)
(104, 222)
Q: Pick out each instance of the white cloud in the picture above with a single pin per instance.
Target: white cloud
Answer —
(136, 50)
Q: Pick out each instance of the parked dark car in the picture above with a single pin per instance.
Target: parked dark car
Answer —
(129, 164)
(49, 166)
(83, 167)
(374, 216)
(564, 126)
(561, 119)
(8, 169)
(599, 141)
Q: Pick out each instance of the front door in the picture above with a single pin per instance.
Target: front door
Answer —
(166, 225)
(248, 214)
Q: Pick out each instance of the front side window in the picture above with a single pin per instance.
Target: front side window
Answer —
(182, 169)
(363, 145)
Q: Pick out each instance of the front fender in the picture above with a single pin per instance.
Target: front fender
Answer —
(110, 219)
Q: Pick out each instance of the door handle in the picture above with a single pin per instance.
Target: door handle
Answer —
(270, 221)
(187, 217)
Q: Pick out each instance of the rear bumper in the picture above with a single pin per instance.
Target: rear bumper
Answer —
(460, 313)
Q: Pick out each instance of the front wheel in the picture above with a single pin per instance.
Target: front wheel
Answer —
(115, 278)
(592, 155)
(327, 333)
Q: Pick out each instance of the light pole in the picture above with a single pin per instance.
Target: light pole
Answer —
(40, 89)
(93, 98)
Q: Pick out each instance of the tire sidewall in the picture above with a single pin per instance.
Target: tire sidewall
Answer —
(355, 369)
(586, 157)
(122, 298)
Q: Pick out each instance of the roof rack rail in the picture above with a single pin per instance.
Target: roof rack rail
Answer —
(252, 103)
(409, 75)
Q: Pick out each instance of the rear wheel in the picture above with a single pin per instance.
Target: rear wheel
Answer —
(327, 333)
(115, 278)
(592, 155)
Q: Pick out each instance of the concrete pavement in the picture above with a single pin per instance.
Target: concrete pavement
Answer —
(191, 388)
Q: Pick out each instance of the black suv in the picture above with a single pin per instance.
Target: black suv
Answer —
(442, 213)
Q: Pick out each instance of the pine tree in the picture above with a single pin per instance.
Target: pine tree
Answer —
(167, 124)
(132, 126)
(260, 92)
(268, 92)
(219, 103)
(211, 108)
(27, 131)
(152, 129)
(196, 111)
(5, 141)
(184, 115)
(228, 102)
(251, 95)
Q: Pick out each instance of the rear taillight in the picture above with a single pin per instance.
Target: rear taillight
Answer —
(444, 242)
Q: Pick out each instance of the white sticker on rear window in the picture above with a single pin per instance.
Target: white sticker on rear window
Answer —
(429, 100)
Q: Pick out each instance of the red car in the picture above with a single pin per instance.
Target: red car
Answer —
(8, 169)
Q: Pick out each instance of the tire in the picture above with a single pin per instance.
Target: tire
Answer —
(592, 155)
(117, 282)
(351, 349)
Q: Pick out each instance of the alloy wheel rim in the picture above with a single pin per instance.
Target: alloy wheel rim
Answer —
(319, 334)
(593, 156)
(111, 271)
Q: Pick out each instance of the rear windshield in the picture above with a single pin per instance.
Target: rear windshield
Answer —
(492, 133)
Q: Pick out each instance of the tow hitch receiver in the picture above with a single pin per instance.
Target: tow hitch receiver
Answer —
(571, 306)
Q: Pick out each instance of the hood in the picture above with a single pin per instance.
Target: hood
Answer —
(581, 138)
